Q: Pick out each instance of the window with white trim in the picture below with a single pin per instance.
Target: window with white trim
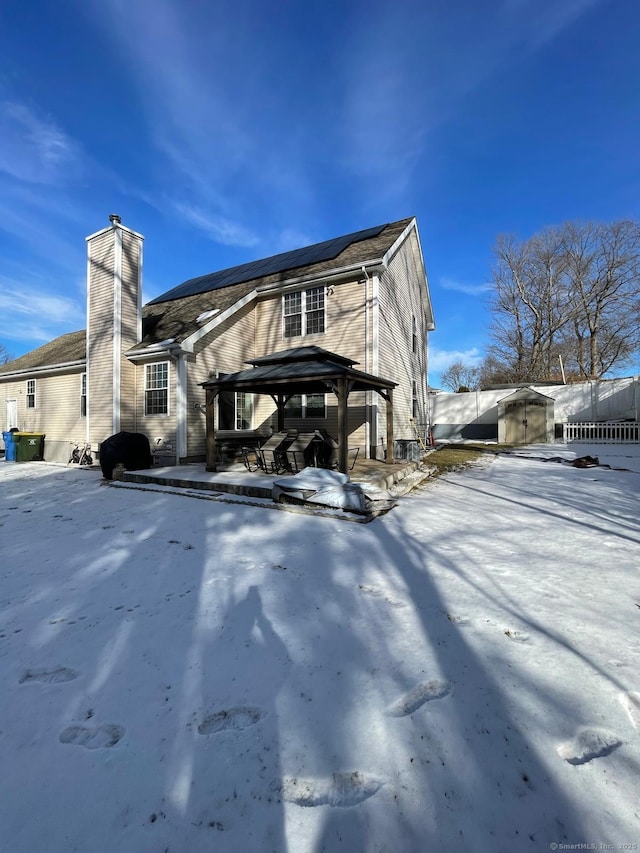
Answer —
(83, 395)
(31, 393)
(414, 398)
(156, 388)
(303, 312)
(235, 409)
(244, 410)
(414, 333)
(306, 406)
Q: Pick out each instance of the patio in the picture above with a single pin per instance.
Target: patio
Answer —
(234, 478)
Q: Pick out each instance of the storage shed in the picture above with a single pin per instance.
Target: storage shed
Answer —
(525, 417)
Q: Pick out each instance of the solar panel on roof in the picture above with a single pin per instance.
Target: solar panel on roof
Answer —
(317, 253)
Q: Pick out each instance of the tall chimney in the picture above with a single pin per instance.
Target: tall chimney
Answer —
(114, 325)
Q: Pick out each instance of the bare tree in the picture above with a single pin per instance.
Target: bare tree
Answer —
(571, 291)
(460, 377)
(5, 355)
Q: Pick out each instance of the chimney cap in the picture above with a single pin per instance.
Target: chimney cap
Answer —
(114, 218)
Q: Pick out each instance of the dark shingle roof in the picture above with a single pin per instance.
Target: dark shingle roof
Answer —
(173, 317)
(332, 253)
(176, 319)
(305, 369)
(67, 348)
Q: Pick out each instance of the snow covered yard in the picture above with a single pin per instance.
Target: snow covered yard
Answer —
(189, 675)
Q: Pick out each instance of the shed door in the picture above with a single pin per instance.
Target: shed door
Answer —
(526, 422)
(536, 421)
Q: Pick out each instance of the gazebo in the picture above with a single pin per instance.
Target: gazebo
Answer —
(302, 370)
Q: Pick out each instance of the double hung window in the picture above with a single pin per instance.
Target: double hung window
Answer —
(303, 312)
(306, 406)
(156, 388)
(83, 395)
(31, 393)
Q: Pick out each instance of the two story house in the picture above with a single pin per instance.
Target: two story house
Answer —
(363, 296)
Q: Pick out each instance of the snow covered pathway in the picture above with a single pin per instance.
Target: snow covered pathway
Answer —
(183, 675)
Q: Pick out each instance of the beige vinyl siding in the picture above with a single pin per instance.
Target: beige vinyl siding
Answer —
(100, 336)
(400, 299)
(155, 427)
(226, 349)
(344, 323)
(344, 334)
(130, 328)
(57, 412)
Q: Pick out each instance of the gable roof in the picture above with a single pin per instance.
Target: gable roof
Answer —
(330, 254)
(173, 316)
(67, 350)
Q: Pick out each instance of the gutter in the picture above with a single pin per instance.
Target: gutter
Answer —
(341, 272)
(63, 367)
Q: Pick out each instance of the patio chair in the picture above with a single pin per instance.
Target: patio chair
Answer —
(270, 454)
(299, 453)
(251, 459)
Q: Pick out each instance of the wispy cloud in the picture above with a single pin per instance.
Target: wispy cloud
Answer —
(403, 82)
(440, 359)
(34, 149)
(211, 111)
(221, 230)
(38, 318)
(465, 287)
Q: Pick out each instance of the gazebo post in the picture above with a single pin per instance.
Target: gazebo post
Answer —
(343, 438)
(280, 403)
(211, 429)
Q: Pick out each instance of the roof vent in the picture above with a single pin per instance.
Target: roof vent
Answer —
(114, 218)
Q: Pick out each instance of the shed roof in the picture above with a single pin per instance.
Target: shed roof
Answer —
(525, 393)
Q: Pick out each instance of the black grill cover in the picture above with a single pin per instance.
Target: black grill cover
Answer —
(130, 449)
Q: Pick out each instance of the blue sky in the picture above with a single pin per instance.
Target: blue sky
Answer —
(226, 132)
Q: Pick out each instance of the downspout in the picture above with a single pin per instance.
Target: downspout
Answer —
(375, 350)
(367, 359)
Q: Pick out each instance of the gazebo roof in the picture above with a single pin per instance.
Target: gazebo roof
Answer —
(310, 370)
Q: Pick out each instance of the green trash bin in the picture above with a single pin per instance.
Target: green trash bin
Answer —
(29, 446)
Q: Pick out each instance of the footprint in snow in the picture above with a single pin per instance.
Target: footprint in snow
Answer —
(92, 738)
(376, 592)
(587, 745)
(49, 676)
(458, 620)
(631, 703)
(416, 698)
(234, 719)
(342, 790)
(516, 636)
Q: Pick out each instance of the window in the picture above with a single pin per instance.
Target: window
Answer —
(306, 406)
(31, 393)
(414, 399)
(156, 388)
(303, 312)
(83, 395)
(244, 410)
(414, 333)
(235, 409)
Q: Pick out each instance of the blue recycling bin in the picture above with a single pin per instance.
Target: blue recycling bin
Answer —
(9, 447)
